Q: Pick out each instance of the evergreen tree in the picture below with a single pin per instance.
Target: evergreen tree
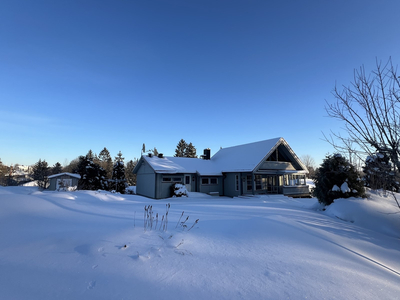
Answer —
(3, 173)
(130, 177)
(118, 177)
(40, 173)
(57, 168)
(93, 177)
(190, 151)
(181, 148)
(337, 178)
(106, 162)
(379, 173)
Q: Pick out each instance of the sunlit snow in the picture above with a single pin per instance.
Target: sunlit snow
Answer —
(93, 245)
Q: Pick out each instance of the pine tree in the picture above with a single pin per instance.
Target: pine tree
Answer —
(118, 177)
(337, 178)
(105, 161)
(57, 168)
(40, 173)
(190, 151)
(130, 177)
(181, 148)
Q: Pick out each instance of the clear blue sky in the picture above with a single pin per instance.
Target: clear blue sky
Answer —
(80, 75)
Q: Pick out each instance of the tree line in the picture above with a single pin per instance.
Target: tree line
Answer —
(96, 171)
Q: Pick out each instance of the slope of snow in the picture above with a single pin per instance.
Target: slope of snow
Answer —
(93, 245)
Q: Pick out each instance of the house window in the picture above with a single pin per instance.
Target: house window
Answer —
(187, 179)
(209, 181)
(172, 179)
(249, 183)
(237, 182)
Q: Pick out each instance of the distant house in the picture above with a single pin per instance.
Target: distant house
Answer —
(265, 167)
(63, 181)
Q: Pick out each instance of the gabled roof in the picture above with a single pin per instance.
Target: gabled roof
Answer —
(244, 158)
(69, 174)
(241, 158)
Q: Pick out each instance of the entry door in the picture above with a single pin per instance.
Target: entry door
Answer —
(188, 183)
(247, 184)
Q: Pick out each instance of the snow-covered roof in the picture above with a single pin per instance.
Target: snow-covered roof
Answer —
(244, 158)
(241, 158)
(65, 173)
(175, 165)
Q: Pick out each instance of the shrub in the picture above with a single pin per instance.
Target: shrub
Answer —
(179, 190)
(337, 178)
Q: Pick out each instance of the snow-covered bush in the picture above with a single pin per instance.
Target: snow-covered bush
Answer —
(179, 190)
(337, 178)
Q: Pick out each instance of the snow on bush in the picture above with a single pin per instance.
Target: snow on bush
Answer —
(179, 190)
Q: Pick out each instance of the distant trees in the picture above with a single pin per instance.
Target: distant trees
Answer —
(185, 150)
(40, 173)
(309, 162)
(92, 168)
(337, 178)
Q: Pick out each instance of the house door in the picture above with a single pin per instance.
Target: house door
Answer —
(247, 184)
(188, 183)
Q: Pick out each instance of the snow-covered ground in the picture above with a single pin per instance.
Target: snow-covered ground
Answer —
(92, 245)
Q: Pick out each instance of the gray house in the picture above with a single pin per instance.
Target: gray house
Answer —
(265, 167)
(63, 181)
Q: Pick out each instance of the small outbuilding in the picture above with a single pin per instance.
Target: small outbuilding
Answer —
(63, 181)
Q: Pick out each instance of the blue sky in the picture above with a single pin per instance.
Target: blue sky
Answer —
(80, 75)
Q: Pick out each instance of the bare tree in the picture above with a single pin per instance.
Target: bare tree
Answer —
(309, 162)
(369, 108)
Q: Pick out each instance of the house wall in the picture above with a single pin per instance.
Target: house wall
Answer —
(145, 181)
(53, 181)
(210, 188)
(163, 189)
(230, 185)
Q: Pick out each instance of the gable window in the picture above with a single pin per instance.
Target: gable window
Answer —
(209, 181)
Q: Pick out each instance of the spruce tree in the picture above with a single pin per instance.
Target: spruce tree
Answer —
(118, 177)
(57, 168)
(93, 176)
(379, 173)
(337, 178)
(106, 162)
(190, 151)
(40, 173)
(181, 148)
(130, 177)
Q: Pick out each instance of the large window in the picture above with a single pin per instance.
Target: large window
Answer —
(293, 180)
(209, 180)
